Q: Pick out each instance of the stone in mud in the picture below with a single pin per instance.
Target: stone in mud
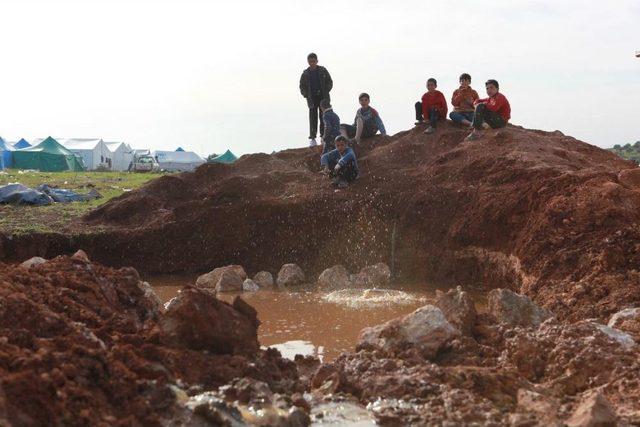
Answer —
(516, 310)
(229, 281)
(210, 279)
(594, 411)
(250, 286)
(426, 329)
(80, 255)
(155, 304)
(264, 279)
(459, 309)
(32, 262)
(246, 390)
(373, 276)
(290, 275)
(197, 320)
(336, 277)
(627, 320)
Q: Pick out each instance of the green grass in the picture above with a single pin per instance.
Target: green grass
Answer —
(56, 217)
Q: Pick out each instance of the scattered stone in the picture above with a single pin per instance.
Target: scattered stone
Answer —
(334, 278)
(197, 320)
(426, 329)
(210, 279)
(328, 379)
(81, 255)
(247, 390)
(516, 310)
(373, 276)
(620, 337)
(627, 320)
(459, 309)
(250, 286)
(264, 279)
(229, 281)
(290, 275)
(594, 411)
(152, 297)
(32, 262)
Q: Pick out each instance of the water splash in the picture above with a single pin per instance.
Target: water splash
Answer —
(371, 298)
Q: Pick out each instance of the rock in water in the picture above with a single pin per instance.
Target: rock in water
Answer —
(373, 276)
(334, 278)
(627, 320)
(264, 279)
(197, 320)
(210, 279)
(250, 286)
(594, 411)
(290, 275)
(229, 281)
(426, 329)
(516, 310)
(459, 309)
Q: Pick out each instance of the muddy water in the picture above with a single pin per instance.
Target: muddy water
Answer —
(309, 322)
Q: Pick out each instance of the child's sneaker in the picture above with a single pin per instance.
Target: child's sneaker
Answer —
(430, 130)
(312, 142)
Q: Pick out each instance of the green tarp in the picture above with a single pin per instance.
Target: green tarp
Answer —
(227, 157)
(48, 156)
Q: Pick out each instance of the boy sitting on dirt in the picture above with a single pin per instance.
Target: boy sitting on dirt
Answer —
(433, 106)
(340, 164)
(366, 124)
(331, 126)
(495, 110)
(462, 100)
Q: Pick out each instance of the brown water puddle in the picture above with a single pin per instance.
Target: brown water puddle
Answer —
(314, 323)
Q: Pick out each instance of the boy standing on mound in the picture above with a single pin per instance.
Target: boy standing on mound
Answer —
(494, 110)
(315, 85)
(366, 124)
(462, 100)
(433, 106)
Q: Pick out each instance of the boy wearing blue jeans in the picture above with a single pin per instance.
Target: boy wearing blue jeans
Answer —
(340, 164)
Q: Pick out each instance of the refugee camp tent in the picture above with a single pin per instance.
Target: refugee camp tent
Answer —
(48, 156)
(94, 151)
(6, 154)
(179, 149)
(174, 161)
(122, 155)
(23, 143)
(226, 157)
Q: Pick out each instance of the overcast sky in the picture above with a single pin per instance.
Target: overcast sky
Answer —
(208, 75)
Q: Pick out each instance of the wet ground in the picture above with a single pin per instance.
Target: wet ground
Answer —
(309, 322)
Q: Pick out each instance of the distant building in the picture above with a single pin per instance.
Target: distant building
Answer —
(94, 152)
(122, 155)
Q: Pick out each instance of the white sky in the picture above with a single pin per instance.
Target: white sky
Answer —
(208, 75)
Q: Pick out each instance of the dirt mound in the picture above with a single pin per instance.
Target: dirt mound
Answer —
(81, 346)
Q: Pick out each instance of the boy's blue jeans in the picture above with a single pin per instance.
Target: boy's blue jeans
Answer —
(459, 116)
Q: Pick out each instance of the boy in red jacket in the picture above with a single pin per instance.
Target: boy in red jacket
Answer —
(433, 106)
(494, 110)
(462, 100)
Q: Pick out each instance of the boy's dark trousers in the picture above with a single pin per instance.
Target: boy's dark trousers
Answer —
(346, 172)
(433, 115)
(315, 114)
(484, 115)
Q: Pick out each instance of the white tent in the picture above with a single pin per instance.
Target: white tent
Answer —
(122, 155)
(178, 160)
(94, 152)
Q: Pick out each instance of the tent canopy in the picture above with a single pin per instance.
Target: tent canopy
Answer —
(23, 143)
(226, 157)
(179, 149)
(178, 160)
(6, 154)
(48, 156)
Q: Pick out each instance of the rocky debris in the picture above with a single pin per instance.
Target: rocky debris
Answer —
(627, 320)
(458, 308)
(516, 310)
(210, 280)
(594, 411)
(616, 335)
(336, 277)
(373, 276)
(426, 329)
(197, 320)
(264, 279)
(229, 281)
(250, 286)
(290, 275)
(80, 255)
(32, 262)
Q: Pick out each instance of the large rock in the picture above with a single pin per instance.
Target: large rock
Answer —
(594, 411)
(627, 320)
(458, 308)
(210, 279)
(32, 262)
(336, 277)
(290, 275)
(229, 281)
(197, 320)
(426, 329)
(250, 286)
(516, 310)
(373, 276)
(264, 279)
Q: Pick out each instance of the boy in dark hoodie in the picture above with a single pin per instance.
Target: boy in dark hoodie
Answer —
(366, 124)
(340, 164)
(462, 100)
(433, 106)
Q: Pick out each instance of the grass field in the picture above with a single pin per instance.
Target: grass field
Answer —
(56, 217)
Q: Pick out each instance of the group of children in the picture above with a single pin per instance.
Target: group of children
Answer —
(338, 159)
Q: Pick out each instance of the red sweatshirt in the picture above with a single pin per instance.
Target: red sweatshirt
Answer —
(435, 100)
(498, 104)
